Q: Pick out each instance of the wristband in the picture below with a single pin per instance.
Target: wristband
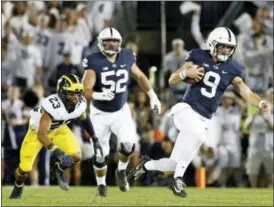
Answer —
(183, 75)
(151, 93)
(261, 103)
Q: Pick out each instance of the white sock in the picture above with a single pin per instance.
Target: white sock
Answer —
(187, 144)
(180, 170)
(164, 164)
(122, 165)
(101, 180)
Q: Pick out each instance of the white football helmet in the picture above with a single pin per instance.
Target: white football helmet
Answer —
(221, 35)
(109, 33)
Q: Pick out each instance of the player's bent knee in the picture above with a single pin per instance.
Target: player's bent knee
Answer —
(127, 148)
(77, 157)
(99, 163)
(24, 168)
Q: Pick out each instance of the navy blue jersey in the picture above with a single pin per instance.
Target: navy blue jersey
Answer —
(114, 76)
(205, 96)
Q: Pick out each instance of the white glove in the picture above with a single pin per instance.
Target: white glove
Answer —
(155, 104)
(106, 95)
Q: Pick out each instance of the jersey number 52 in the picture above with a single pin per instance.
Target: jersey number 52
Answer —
(118, 86)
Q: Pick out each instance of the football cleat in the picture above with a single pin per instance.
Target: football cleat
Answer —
(60, 176)
(16, 192)
(135, 173)
(177, 186)
(122, 180)
(102, 190)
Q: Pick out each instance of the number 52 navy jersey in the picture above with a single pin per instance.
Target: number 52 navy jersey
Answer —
(114, 76)
(205, 96)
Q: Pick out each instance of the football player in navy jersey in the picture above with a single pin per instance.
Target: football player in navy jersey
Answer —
(212, 71)
(106, 78)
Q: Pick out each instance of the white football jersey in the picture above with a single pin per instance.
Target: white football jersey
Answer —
(55, 107)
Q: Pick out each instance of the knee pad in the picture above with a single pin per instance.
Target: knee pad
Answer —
(127, 148)
(20, 177)
(99, 163)
(19, 172)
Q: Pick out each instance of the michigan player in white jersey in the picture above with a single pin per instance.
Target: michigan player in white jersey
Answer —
(211, 72)
(106, 78)
(47, 128)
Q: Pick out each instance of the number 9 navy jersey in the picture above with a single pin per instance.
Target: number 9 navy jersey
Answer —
(114, 76)
(205, 96)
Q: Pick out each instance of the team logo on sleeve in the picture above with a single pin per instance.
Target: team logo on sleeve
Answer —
(135, 56)
(85, 62)
(187, 56)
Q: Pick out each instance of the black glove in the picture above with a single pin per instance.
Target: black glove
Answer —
(97, 147)
(59, 156)
(56, 153)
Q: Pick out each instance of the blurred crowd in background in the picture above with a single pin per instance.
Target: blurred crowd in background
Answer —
(41, 41)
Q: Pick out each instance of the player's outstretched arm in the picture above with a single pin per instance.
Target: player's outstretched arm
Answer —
(189, 70)
(144, 83)
(87, 125)
(250, 96)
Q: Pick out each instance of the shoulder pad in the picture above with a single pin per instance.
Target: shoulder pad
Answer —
(238, 69)
(194, 55)
(129, 54)
(48, 106)
(90, 62)
(82, 103)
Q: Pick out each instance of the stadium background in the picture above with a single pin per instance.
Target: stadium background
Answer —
(32, 62)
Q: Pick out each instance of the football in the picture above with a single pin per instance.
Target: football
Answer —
(191, 80)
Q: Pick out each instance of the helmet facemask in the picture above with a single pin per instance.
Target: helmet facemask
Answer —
(221, 36)
(109, 41)
(110, 47)
(220, 55)
(69, 92)
(70, 98)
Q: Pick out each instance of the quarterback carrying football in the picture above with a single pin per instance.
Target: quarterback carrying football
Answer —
(211, 72)
(47, 128)
(106, 79)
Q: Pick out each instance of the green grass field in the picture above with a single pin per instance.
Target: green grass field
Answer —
(145, 196)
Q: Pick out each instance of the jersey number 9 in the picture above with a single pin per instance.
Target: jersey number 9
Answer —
(211, 84)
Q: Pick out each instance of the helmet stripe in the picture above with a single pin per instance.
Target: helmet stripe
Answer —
(76, 78)
(68, 79)
(111, 33)
(229, 35)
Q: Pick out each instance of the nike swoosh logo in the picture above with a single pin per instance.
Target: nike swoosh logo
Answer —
(176, 189)
(122, 66)
(224, 72)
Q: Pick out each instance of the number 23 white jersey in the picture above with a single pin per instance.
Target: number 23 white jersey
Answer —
(55, 107)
